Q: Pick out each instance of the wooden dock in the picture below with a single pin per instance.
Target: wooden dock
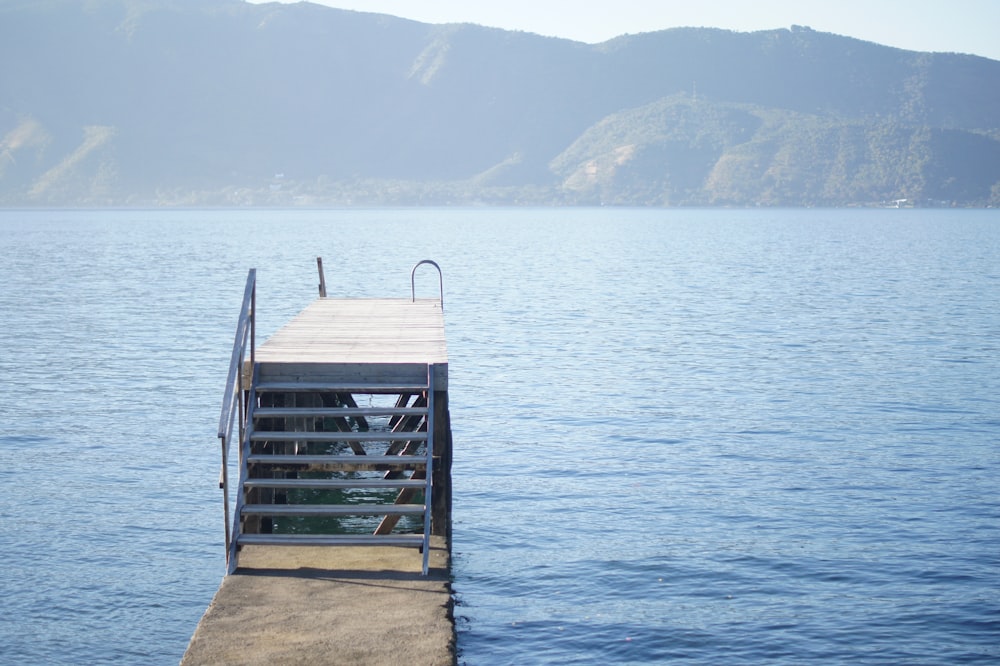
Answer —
(389, 332)
(339, 532)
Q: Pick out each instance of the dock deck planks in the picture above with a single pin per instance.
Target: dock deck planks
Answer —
(361, 331)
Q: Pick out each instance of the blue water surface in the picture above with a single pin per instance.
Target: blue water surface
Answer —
(684, 437)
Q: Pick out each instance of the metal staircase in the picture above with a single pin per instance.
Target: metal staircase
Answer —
(316, 469)
(322, 461)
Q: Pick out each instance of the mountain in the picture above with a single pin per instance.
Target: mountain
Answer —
(221, 102)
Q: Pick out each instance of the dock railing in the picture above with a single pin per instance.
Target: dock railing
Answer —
(233, 402)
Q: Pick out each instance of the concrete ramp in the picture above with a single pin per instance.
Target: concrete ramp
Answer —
(329, 605)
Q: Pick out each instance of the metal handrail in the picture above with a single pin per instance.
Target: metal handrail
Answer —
(235, 529)
(413, 285)
(245, 332)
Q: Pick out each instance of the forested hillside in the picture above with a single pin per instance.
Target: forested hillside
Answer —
(221, 102)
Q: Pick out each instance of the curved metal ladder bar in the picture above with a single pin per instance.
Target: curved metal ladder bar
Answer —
(413, 288)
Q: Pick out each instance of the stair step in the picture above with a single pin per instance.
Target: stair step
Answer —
(333, 509)
(405, 540)
(335, 483)
(350, 461)
(322, 387)
(383, 436)
(270, 412)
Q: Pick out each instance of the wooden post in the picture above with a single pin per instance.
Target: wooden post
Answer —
(322, 277)
(441, 502)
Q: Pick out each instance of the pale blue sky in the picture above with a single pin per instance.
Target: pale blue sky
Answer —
(963, 26)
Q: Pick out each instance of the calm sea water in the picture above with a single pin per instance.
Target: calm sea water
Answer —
(682, 437)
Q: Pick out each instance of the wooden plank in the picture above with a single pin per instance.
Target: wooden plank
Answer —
(348, 399)
(389, 521)
(399, 375)
(442, 496)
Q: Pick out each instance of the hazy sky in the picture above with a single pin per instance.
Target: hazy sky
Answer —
(963, 26)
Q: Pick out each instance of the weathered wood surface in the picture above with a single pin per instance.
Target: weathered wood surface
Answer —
(365, 341)
(443, 452)
(365, 331)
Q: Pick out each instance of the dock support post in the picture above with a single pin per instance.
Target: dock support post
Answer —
(441, 500)
(322, 277)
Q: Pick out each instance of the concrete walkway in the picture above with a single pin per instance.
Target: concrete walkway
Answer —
(330, 605)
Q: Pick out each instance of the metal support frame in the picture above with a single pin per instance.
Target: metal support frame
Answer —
(429, 483)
